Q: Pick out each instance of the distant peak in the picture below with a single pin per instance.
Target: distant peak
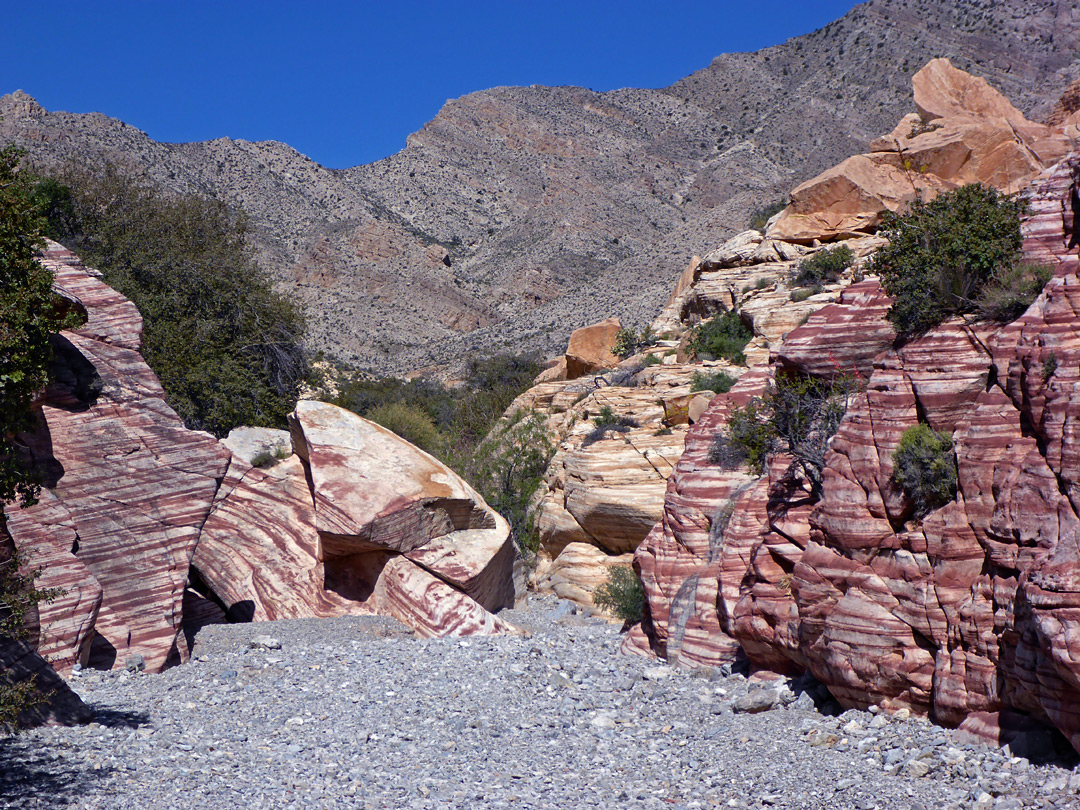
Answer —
(20, 105)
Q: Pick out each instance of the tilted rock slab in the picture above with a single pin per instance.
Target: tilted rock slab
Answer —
(132, 485)
(964, 132)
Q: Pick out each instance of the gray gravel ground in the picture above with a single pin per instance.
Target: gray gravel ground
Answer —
(356, 713)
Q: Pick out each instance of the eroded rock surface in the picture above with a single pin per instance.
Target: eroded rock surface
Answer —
(967, 613)
(964, 132)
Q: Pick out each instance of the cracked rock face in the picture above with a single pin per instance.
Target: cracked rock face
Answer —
(970, 612)
(357, 521)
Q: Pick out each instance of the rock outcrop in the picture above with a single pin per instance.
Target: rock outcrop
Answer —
(964, 132)
(128, 489)
(967, 613)
(150, 528)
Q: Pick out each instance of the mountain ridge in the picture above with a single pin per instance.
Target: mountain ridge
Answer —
(519, 213)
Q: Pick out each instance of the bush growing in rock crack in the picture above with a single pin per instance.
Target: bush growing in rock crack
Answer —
(824, 266)
(605, 422)
(797, 416)
(621, 594)
(719, 382)
(924, 465)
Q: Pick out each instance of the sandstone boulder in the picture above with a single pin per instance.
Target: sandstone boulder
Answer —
(590, 349)
(964, 132)
(128, 488)
(359, 521)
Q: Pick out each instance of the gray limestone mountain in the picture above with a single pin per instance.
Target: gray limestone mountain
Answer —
(520, 213)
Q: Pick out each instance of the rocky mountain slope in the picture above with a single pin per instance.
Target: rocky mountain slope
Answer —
(518, 214)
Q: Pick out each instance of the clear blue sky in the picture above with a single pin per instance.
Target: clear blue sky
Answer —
(345, 82)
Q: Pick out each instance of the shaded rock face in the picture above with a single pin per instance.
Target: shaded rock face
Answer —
(964, 132)
(968, 613)
(356, 521)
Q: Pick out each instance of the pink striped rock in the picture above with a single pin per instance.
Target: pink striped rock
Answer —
(841, 338)
(679, 562)
(968, 614)
(135, 484)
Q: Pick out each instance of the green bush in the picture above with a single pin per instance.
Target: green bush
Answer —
(798, 296)
(226, 347)
(508, 468)
(724, 335)
(925, 467)
(824, 266)
(29, 314)
(797, 416)
(607, 421)
(1049, 366)
(621, 594)
(720, 382)
(626, 343)
(410, 423)
(957, 254)
(760, 217)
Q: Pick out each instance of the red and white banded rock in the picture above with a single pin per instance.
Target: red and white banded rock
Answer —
(136, 484)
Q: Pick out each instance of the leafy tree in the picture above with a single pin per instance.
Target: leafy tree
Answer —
(953, 255)
(797, 416)
(29, 314)
(621, 594)
(925, 466)
(226, 347)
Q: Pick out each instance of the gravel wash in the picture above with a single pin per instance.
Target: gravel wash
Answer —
(357, 713)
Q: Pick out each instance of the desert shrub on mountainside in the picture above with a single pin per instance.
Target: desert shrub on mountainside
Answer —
(958, 254)
(29, 314)
(925, 466)
(797, 416)
(226, 347)
(621, 594)
(724, 335)
(824, 266)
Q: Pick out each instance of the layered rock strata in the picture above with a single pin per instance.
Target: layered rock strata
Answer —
(149, 527)
(967, 613)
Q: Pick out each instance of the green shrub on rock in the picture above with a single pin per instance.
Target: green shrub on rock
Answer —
(824, 266)
(621, 594)
(958, 254)
(925, 466)
(724, 336)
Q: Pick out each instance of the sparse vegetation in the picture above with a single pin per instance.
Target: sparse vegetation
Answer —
(723, 336)
(626, 343)
(958, 254)
(1049, 366)
(605, 422)
(827, 265)
(621, 594)
(797, 416)
(759, 219)
(719, 382)
(924, 465)
(226, 347)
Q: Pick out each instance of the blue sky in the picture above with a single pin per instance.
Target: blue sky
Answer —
(346, 82)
